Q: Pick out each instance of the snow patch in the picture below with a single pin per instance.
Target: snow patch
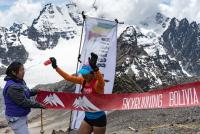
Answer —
(66, 53)
(185, 72)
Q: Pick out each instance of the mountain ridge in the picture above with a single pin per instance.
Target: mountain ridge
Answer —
(145, 54)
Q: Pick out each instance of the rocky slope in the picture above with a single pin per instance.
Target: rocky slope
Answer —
(11, 48)
(151, 61)
(182, 41)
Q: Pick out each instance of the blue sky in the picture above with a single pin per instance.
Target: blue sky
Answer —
(5, 4)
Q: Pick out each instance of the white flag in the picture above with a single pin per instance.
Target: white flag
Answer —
(100, 38)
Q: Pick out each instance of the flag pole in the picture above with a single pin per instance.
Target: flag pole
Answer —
(79, 56)
(42, 130)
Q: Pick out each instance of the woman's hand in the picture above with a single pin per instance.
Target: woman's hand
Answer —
(53, 62)
(93, 61)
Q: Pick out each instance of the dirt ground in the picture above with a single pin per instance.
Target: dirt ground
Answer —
(159, 121)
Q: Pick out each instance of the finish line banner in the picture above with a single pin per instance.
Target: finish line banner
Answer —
(186, 95)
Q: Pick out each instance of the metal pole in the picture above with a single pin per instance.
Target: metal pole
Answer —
(42, 130)
(79, 56)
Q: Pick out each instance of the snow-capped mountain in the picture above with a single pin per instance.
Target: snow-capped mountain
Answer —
(142, 60)
(156, 23)
(74, 13)
(11, 47)
(20, 29)
(147, 59)
(182, 41)
(156, 52)
(52, 24)
(55, 33)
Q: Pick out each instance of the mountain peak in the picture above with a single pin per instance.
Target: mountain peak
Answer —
(129, 35)
(184, 22)
(157, 22)
(11, 47)
(194, 25)
(49, 8)
(159, 17)
(48, 5)
(53, 23)
(174, 23)
(181, 41)
(19, 28)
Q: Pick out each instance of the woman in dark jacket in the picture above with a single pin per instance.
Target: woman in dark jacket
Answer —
(17, 98)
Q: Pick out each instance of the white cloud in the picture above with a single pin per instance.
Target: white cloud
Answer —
(183, 9)
(133, 11)
(22, 11)
(129, 11)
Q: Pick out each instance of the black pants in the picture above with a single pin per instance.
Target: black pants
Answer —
(99, 122)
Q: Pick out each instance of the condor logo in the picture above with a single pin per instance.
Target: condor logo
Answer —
(53, 100)
(84, 104)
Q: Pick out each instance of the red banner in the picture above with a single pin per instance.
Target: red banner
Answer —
(186, 95)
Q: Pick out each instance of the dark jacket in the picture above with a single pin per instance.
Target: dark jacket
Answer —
(17, 97)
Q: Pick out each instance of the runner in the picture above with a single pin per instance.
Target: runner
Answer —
(92, 83)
